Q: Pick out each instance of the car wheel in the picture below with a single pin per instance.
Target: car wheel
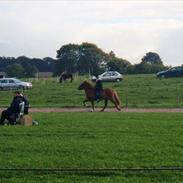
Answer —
(162, 76)
(1, 88)
(118, 80)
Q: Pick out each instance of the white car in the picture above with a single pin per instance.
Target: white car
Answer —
(13, 83)
(109, 76)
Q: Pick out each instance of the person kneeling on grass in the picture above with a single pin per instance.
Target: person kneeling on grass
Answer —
(12, 112)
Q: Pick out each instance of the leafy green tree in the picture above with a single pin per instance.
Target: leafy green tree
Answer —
(82, 58)
(111, 54)
(30, 70)
(152, 58)
(15, 70)
(91, 59)
(68, 56)
(117, 64)
(142, 68)
(158, 67)
(151, 63)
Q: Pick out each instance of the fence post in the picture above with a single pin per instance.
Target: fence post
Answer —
(126, 94)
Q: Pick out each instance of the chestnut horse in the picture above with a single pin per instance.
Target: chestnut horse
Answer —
(106, 94)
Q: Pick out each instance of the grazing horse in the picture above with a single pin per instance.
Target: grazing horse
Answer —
(106, 94)
(66, 75)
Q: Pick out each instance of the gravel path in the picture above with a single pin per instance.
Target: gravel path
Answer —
(138, 110)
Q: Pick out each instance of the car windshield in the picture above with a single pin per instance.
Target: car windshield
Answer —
(17, 81)
(106, 74)
(114, 74)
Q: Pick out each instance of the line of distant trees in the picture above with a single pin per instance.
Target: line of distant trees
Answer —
(26, 67)
(79, 58)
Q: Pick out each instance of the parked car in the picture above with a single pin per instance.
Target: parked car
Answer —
(13, 83)
(109, 76)
(172, 72)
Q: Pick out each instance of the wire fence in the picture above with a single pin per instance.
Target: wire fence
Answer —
(90, 170)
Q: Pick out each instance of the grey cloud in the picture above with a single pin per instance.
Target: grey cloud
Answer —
(130, 29)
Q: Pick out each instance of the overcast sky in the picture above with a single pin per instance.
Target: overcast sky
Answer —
(129, 28)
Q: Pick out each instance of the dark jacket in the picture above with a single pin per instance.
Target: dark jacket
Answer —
(15, 105)
(98, 85)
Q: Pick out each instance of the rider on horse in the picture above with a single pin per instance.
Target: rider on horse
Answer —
(98, 88)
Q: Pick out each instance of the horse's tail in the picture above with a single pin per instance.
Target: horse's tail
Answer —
(117, 99)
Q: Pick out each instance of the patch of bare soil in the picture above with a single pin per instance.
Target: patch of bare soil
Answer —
(126, 110)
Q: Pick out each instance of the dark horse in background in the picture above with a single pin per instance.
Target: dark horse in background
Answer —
(106, 94)
(66, 75)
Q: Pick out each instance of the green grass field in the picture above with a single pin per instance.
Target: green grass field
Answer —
(135, 91)
(94, 140)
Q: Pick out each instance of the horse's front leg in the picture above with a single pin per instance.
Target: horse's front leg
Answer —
(105, 105)
(93, 107)
(92, 103)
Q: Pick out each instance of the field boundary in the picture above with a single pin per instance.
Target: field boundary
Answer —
(91, 170)
(125, 110)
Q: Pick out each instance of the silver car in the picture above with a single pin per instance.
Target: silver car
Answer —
(109, 76)
(13, 84)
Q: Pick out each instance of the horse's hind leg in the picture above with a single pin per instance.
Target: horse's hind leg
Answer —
(118, 108)
(116, 105)
(105, 105)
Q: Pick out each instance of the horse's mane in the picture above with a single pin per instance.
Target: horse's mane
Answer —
(88, 84)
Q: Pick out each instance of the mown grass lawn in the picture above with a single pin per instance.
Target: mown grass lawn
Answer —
(94, 140)
(134, 91)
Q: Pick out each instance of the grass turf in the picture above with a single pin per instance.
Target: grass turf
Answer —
(134, 91)
(94, 140)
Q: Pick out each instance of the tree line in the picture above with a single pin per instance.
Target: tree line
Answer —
(26, 67)
(85, 58)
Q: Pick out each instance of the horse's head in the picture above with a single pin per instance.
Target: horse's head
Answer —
(85, 85)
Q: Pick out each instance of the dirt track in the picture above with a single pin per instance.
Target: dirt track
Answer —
(138, 110)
